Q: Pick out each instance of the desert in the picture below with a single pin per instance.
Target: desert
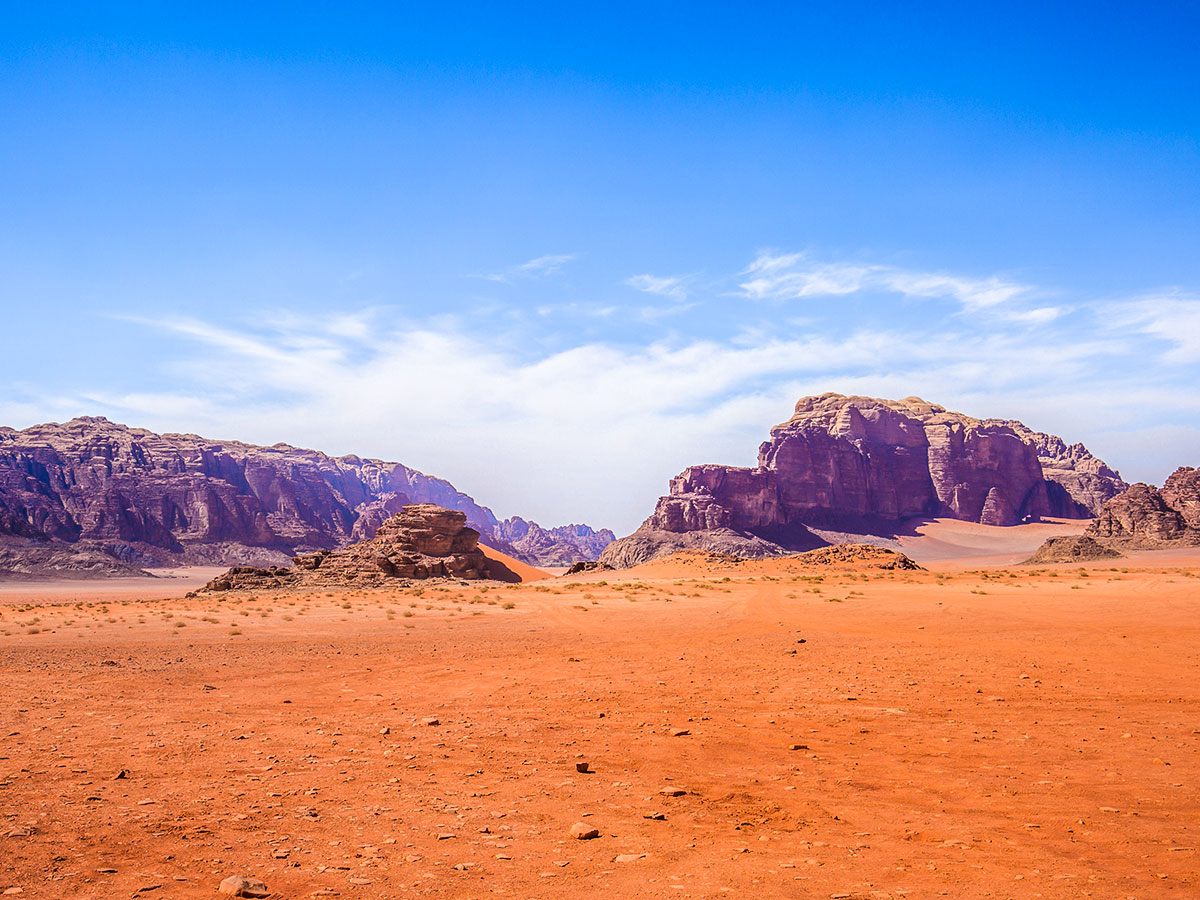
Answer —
(749, 728)
(556, 451)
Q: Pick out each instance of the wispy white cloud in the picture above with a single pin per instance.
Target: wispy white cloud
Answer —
(1171, 316)
(669, 287)
(579, 426)
(793, 276)
(534, 268)
(430, 394)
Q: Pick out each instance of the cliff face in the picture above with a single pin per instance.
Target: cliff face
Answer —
(856, 463)
(181, 498)
(1077, 483)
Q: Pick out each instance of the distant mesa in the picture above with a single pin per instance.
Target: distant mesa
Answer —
(421, 541)
(73, 493)
(845, 466)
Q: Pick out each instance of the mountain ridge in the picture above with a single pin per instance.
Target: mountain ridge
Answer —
(171, 499)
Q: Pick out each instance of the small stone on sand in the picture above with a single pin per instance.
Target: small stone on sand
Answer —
(581, 831)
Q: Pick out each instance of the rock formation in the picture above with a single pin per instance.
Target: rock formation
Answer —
(1077, 483)
(178, 499)
(1146, 518)
(421, 541)
(861, 465)
(1071, 548)
(561, 546)
(857, 555)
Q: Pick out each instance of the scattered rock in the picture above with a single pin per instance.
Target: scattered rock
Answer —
(578, 568)
(583, 768)
(581, 831)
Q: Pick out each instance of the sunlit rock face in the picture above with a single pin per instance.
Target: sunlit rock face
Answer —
(857, 463)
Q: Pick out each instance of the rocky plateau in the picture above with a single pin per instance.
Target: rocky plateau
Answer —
(859, 465)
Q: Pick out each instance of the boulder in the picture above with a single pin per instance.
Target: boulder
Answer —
(243, 886)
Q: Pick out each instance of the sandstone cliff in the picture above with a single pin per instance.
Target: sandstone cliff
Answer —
(177, 499)
(860, 465)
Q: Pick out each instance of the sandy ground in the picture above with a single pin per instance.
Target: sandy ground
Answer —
(753, 730)
(950, 542)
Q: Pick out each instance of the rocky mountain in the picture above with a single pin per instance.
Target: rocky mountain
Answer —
(1147, 518)
(559, 546)
(171, 499)
(859, 465)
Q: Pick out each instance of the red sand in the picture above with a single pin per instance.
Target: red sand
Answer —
(964, 734)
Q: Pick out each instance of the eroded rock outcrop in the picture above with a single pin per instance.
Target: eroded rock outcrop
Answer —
(1147, 518)
(421, 541)
(178, 499)
(860, 465)
(1071, 548)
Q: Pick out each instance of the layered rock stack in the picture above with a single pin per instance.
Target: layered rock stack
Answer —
(421, 541)
(860, 465)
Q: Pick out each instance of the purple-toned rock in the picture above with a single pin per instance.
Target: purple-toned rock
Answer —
(855, 464)
(178, 499)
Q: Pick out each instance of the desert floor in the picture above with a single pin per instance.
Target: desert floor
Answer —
(753, 730)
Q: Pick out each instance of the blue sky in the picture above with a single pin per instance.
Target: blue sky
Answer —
(557, 254)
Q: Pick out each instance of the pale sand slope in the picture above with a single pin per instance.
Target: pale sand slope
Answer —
(991, 735)
(165, 583)
(950, 542)
(523, 571)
